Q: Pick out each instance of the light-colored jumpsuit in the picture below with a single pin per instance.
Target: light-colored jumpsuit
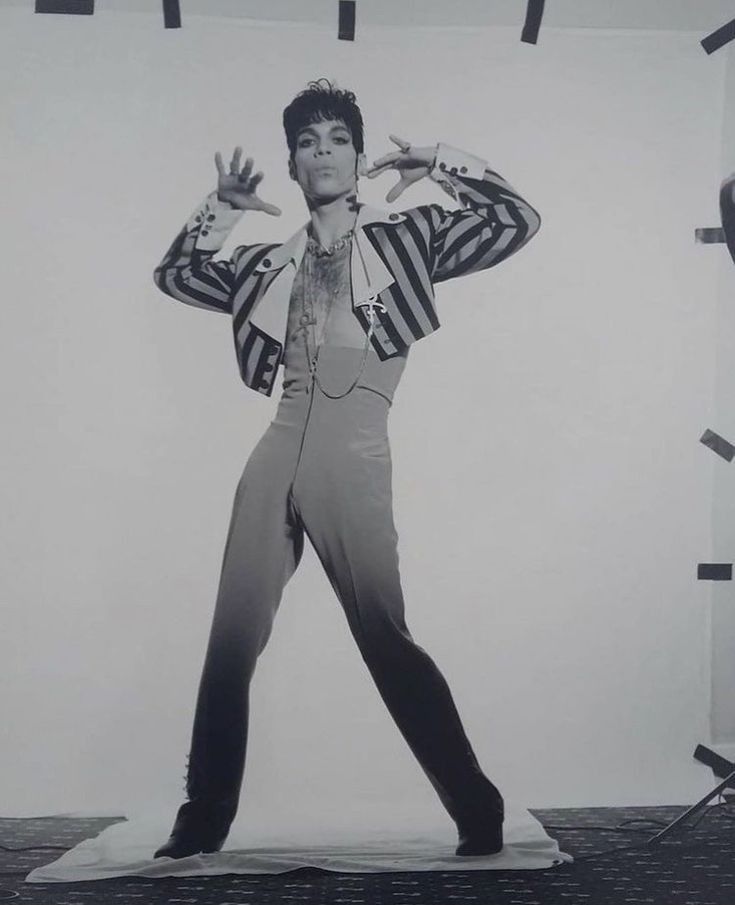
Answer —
(323, 469)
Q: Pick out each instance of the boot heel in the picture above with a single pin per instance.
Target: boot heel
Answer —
(200, 827)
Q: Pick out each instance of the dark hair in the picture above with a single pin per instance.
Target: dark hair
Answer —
(320, 101)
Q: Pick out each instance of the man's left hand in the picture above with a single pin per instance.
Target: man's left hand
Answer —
(412, 164)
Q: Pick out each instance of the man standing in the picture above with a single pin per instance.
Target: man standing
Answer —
(338, 305)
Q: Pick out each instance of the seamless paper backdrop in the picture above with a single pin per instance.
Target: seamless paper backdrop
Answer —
(551, 498)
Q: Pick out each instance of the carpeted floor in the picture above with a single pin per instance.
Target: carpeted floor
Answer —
(695, 866)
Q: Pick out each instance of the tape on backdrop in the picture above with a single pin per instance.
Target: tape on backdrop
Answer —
(727, 212)
(719, 38)
(346, 23)
(171, 14)
(534, 14)
(72, 7)
(718, 444)
(709, 235)
(714, 571)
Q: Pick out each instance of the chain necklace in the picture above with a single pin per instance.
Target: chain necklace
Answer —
(309, 320)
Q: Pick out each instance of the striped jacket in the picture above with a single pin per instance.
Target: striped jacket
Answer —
(396, 259)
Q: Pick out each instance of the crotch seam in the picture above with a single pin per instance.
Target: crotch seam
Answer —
(292, 513)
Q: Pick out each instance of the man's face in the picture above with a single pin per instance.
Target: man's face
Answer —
(325, 160)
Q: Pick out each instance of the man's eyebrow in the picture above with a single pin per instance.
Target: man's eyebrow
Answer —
(334, 128)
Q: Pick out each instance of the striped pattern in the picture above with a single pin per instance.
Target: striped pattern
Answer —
(259, 357)
(429, 245)
(192, 277)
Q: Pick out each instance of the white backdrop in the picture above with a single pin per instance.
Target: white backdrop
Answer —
(723, 612)
(551, 510)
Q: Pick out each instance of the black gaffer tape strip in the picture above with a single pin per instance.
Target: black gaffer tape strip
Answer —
(718, 444)
(709, 235)
(71, 7)
(719, 38)
(534, 14)
(346, 20)
(714, 571)
(171, 14)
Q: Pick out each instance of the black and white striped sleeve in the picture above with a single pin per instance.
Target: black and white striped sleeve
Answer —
(187, 271)
(492, 224)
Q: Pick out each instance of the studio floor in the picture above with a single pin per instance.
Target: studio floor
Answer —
(693, 866)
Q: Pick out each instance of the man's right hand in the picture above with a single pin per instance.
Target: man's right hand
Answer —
(238, 187)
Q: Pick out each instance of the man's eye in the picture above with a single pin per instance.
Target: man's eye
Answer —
(341, 140)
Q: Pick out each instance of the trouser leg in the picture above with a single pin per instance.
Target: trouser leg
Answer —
(347, 513)
(264, 546)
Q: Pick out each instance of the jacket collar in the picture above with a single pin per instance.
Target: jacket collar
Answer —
(293, 249)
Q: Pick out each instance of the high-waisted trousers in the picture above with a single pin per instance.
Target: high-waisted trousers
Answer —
(323, 468)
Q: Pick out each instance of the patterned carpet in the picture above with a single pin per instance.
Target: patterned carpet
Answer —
(694, 866)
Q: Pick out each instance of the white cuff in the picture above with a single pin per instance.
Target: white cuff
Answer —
(215, 220)
(453, 162)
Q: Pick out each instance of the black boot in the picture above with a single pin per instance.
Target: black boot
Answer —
(201, 826)
(486, 839)
(480, 827)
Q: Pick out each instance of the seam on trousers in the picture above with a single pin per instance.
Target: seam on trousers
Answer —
(388, 399)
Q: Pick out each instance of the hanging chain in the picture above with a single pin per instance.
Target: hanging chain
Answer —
(312, 359)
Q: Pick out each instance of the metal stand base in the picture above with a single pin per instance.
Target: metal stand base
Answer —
(706, 755)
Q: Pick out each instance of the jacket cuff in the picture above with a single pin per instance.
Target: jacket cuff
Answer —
(214, 221)
(453, 162)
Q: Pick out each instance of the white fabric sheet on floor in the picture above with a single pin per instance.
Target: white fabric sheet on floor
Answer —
(126, 849)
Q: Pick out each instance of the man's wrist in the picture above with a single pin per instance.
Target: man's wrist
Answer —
(427, 155)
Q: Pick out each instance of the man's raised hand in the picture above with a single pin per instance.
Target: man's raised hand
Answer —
(239, 187)
(412, 164)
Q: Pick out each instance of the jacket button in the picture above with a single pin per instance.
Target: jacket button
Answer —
(204, 232)
(463, 169)
(210, 217)
(442, 166)
(266, 262)
(393, 216)
(453, 171)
